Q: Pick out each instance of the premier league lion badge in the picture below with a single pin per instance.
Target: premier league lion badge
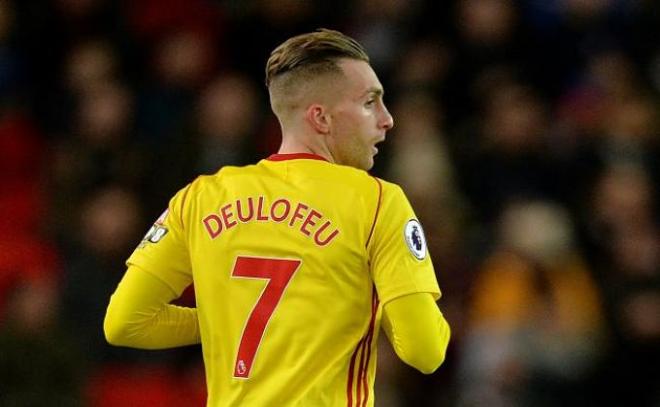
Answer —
(414, 235)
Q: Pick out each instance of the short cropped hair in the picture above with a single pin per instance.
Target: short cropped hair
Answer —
(312, 54)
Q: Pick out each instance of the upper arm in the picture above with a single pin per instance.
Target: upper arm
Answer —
(399, 260)
(159, 269)
(164, 249)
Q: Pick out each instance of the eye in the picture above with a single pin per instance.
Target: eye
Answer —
(370, 102)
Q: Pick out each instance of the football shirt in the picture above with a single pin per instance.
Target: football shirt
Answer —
(291, 260)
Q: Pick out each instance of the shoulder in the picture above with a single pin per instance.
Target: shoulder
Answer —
(202, 183)
(389, 190)
(361, 178)
(223, 174)
(367, 186)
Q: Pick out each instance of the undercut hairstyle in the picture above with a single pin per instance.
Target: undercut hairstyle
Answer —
(316, 52)
(303, 59)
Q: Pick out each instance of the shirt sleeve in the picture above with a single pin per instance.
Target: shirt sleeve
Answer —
(163, 252)
(417, 331)
(139, 315)
(399, 260)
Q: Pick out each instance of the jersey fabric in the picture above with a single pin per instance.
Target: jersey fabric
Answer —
(291, 259)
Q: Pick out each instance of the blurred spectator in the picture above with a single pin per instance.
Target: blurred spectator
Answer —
(420, 162)
(426, 65)
(101, 149)
(25, 260)
(39, 363)
(536, 322)
(486, 23)
(259, 25)
(110, 226)
(90, 65)
(183, 62)
(179, 49)
(221, 131)
(23, 161)
(607, 80)
(184, 59)
(622, 200)
(27, 257)
(485, 32)
(226, 122)
(625, 236)
(383, 27)
(509, 159)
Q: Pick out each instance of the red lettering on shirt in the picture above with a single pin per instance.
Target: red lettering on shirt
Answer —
(297, 214)
(213, 225)
(260, 207)
(285, 213)
(226, 215)
(309, 221)
(328, 239)
(281, 210)
(239, 211)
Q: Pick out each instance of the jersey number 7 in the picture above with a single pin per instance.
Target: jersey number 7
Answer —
(278, 272)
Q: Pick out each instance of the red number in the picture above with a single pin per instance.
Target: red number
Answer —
(278, 272)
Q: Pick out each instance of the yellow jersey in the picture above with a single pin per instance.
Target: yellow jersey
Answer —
(292, 260)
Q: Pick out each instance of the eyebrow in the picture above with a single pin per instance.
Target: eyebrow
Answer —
(374, 91)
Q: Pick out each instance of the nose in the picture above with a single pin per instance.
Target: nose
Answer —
(386, 121)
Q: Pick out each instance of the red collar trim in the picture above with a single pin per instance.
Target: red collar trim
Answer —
(295, 156)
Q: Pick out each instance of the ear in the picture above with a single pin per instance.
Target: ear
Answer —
(317, 116)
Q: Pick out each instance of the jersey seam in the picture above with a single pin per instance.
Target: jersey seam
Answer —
(183, 202)
(373, 225)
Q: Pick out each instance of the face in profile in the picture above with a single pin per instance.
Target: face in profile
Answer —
(359, 118)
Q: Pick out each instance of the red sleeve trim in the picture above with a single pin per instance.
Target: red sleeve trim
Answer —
(380, 196)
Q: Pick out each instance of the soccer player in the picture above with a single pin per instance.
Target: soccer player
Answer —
(297, 261)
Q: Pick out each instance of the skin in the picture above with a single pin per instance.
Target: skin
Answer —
(343, 125)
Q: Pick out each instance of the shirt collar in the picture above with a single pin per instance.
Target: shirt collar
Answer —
(295, 156)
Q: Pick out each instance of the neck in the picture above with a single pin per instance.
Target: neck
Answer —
(292, 145)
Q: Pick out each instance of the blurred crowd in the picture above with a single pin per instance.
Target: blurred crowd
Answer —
(526, 137)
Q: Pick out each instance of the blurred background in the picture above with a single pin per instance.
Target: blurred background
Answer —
(526, 137)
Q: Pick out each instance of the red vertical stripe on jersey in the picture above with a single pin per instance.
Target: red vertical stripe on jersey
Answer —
(365, 381)
(358, 383)
(380, 195)
(351, 371)
(363, 346)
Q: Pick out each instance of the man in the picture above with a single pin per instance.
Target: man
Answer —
(295, 260)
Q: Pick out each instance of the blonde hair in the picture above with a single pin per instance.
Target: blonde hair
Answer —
(308, 55)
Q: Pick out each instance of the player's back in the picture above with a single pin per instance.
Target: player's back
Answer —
(285, 300)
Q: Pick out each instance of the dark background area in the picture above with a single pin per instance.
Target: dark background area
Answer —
(526, 137)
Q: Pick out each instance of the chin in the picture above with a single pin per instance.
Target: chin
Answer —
(367, 165)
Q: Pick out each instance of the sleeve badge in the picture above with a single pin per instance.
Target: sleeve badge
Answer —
(415, 240)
